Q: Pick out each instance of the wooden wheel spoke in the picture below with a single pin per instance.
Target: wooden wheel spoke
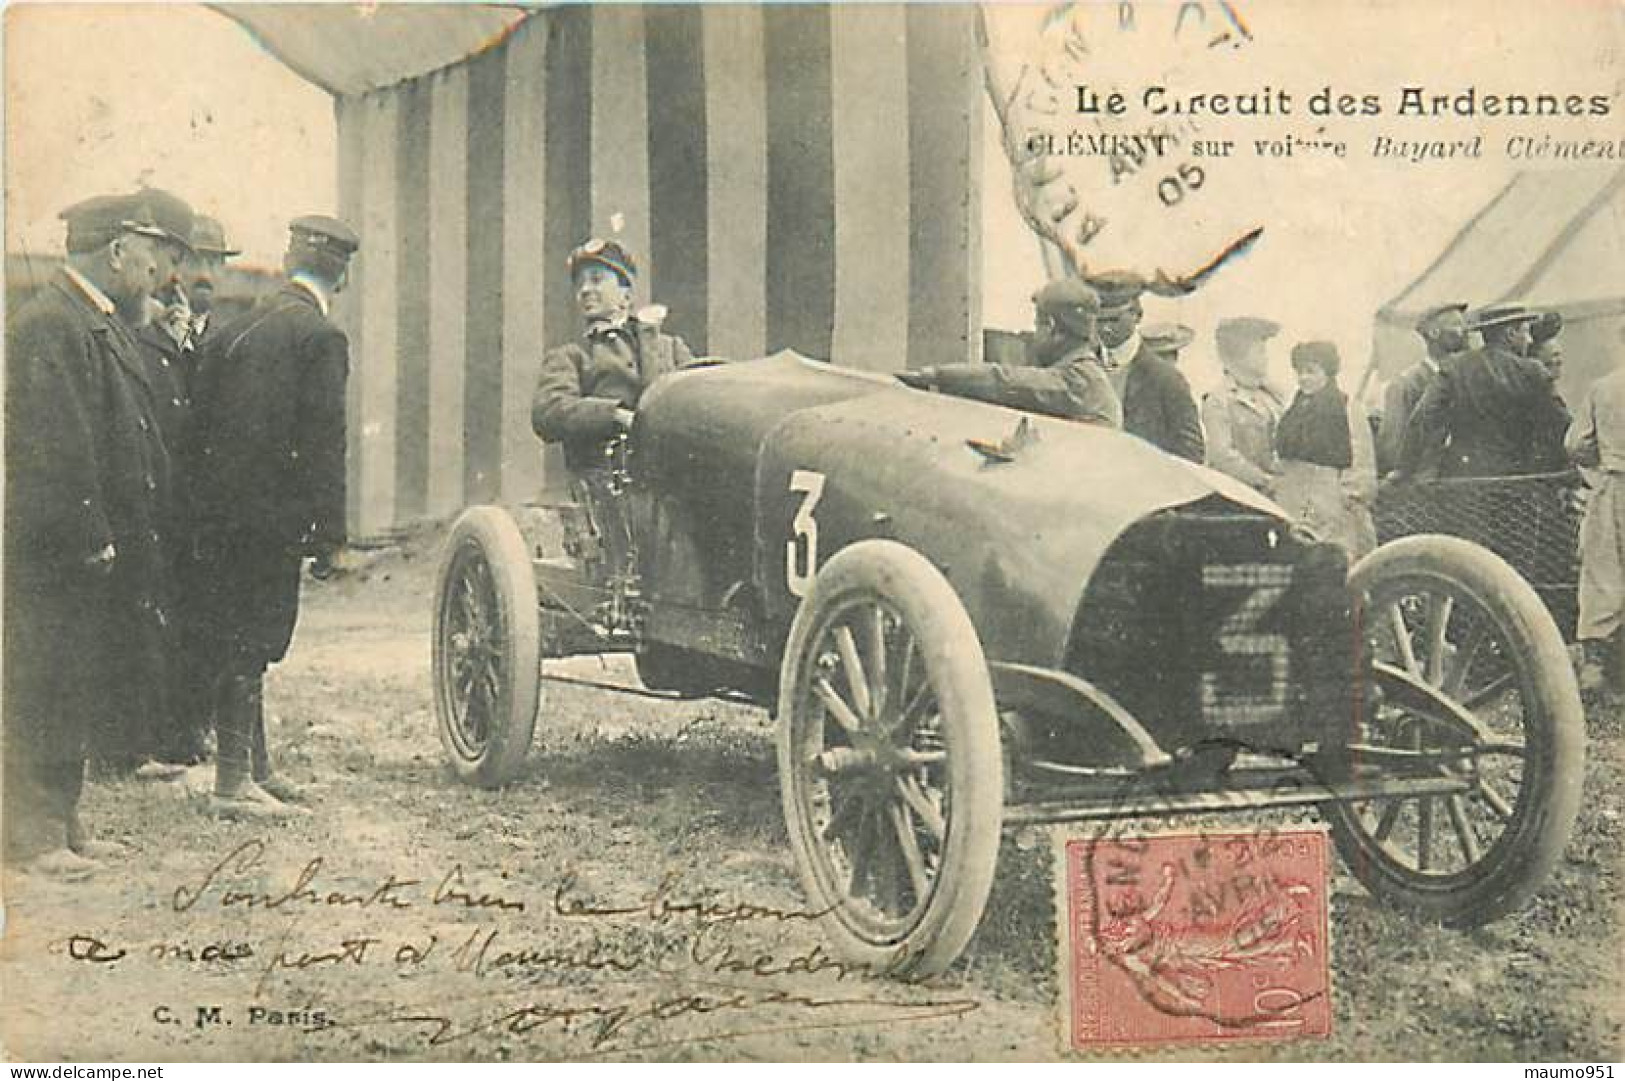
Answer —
(1482, 695)
(1402, 638)
(916, 709)
(861, 853)
(1465, 837)
(1424, 833)
(491, 679)
(1389, 819)
(843, 814)
(885, 872)
(480, 588)
(909, 845)
(901, 676)
(1493, 799)
(1439, 612)
(923, 808)
(857, 677)
(1455, 681)
(874, 640)
(836, 705)
(467, 605)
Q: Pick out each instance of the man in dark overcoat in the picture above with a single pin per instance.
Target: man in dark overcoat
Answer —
(83, 555)
(1158, 405)
(1493, 411)
(172, 341)
(268, 491)
(1444, 334)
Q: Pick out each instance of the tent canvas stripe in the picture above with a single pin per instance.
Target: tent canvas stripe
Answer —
(800, 179)
(376, 372)
(448, 260)
(482, 401)
(525, 159)
(620, 127)
(677, 271)
(943, 141)
(869, 81)
(567, 217)
(789, 176)
(736, 190)
(1565, 236)
(413, 274)
(352, 196)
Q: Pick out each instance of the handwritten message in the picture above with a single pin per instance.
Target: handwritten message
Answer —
(447, 956)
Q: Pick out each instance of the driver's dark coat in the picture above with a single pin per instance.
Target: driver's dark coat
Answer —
(583, 382)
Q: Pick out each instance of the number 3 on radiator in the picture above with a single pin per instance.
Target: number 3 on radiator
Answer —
(801, 550)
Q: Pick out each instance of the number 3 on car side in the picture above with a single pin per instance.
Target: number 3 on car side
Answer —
(801, 550)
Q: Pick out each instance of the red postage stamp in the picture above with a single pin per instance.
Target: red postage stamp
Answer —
(1195, 938)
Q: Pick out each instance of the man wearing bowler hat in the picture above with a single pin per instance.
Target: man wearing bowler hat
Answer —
(171, 340)
(82, 553)
(589, 388)
(1067, 379)
(1493, 412)
(1444, 334)
(268, 491)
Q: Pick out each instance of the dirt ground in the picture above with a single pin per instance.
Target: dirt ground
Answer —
(414, 916)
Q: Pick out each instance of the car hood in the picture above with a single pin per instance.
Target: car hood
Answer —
(1018, 538)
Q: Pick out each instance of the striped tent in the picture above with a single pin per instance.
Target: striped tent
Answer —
(789, 176)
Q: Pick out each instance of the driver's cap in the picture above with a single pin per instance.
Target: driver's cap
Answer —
(605, 253)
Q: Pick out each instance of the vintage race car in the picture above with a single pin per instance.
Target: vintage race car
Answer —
(966, 618)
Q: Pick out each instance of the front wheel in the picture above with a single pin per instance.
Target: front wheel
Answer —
(889, 760)
(1478, 711)
(486, 648)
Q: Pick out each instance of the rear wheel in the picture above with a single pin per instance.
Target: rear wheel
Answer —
(889, 759)
(486, 648)
(1476, 688)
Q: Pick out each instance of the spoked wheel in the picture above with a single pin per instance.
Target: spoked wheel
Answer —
(486, 643)
(889, 759)
(1479, 709)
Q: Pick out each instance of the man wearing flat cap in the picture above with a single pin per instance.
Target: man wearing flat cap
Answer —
(1493, 412)
(1444, 334)
(171, 343)
(268, 492)
(83, 555)
(1241, 418)
(1067, 379)
(589, 388)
